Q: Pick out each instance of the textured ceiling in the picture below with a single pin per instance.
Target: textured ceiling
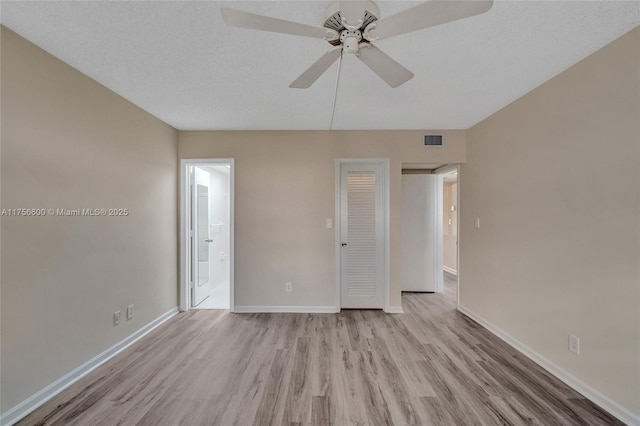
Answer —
(178, 61)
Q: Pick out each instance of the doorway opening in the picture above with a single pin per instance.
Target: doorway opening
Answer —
(430, 229)
(206, 228)
(450, 191)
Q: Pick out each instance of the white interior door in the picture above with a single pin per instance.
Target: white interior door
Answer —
(421, 232)
(362, 234)
(201, 280)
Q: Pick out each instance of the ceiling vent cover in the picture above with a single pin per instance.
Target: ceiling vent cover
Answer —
(432, 140)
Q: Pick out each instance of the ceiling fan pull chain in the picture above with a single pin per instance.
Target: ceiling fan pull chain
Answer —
(335, 92)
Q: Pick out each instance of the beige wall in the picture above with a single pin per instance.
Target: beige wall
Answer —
(68, 142)
(450, 232)
(285, 189)
(555, 180)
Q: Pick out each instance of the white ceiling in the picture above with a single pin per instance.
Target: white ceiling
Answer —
(178, 61)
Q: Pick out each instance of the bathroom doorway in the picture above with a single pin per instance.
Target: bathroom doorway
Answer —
(207, 234)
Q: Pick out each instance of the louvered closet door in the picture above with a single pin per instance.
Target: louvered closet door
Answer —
(362, 235)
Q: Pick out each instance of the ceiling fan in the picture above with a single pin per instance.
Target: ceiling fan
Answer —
(352, 26)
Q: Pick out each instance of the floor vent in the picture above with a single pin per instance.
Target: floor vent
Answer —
(432, 140)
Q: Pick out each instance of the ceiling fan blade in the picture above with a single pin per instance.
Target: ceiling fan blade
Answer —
(238, 18)
(318, 68)
(352, 13)
(425, 15)
(382, 64)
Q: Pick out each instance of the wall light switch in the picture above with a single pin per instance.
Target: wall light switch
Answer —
(476, 223)
(329, 223)
(574, 344)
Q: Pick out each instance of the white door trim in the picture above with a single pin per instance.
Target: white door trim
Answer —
(387, 213)
(185, 212)
(438, 226)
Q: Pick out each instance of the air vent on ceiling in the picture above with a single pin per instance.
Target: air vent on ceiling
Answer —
(432, 140)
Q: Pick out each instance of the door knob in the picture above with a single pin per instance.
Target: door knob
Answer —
(344, 244)
(208, 241)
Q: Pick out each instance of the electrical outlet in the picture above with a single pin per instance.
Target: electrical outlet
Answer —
(288, 287)
(574, 344)
(116, 318)
(129, 312)
(328, 223)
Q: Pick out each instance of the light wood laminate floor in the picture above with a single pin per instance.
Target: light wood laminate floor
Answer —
(428, 366)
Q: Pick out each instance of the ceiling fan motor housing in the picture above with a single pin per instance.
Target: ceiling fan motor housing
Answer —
(334, 20)
(350, 40)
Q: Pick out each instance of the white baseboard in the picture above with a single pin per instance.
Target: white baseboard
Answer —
(16, 413)
(579, 386)
(395, 310)
(301, 309)
(286, 309)
(450, 270)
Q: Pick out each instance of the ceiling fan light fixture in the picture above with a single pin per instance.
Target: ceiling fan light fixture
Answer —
(331, 36)
(367, 32)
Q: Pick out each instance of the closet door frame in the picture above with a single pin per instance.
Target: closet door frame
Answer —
(385, 267)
